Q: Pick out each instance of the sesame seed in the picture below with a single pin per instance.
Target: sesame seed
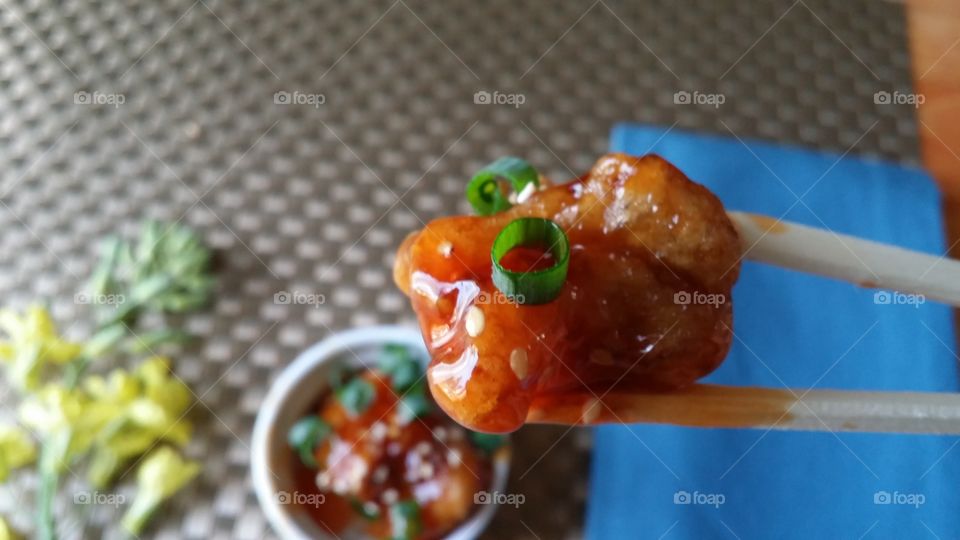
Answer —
(526, 192)
(453, 458)
(519, 363)
(389, 496)
(323, 480)
(371, 508)
(426, 471)
(445, 248)
(440, 433)
(380, 474)
(476, 321)
(422, 448)
(378, 431)
(340, 486)
(357, 471)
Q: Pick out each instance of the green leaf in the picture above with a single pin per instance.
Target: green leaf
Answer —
(305, 436)
(356, 396)
(405, 523)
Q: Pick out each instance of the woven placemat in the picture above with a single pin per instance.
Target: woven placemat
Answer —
(305, 141)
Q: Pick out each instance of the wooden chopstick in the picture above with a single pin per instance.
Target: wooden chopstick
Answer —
(706, 405)
(807, 249)
(863, 262)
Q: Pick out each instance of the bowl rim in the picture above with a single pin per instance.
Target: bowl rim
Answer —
(272, 407)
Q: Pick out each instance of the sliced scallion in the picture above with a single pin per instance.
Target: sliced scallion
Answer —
(356, 396)
(305, 436)
(487, 442)
(534, 286)
(484, 191)
(414, 403)
(403, 368)
(405, 521)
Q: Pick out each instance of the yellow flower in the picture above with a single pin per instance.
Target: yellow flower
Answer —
(63, 418)
(142, 407)
(16, 450)
(161, 474)
(117, 417)
(32, 343)
(6, 533)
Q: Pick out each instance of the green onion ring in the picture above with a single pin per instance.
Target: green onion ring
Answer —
(538, 286)
(484, 191)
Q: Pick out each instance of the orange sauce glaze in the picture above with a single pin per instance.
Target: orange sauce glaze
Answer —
(651, 254)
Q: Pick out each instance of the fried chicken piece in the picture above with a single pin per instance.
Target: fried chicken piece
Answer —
(646, 304)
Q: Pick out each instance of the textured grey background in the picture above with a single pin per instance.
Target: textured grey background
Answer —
(315, 200)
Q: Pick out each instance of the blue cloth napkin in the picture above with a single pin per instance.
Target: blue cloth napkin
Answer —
(673, 482)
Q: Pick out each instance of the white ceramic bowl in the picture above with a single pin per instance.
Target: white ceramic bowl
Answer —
(293, 395)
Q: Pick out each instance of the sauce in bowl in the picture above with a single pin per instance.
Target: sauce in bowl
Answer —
(381, 456)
